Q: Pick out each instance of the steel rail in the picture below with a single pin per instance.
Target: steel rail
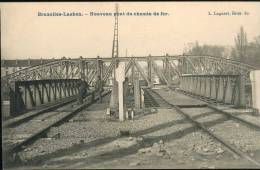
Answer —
(18, 147)
(238, 119)
(235, 118)
(202, 98)
(13, 122)
(17, 121)
(150, 99)
(216, 137)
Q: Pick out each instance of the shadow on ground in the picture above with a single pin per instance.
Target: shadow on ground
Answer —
(119, 153)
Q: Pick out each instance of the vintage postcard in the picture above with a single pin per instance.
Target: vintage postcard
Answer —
(130, 85)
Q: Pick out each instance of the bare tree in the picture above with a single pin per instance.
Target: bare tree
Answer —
(257, 40)
(212, 50)
(241, 44)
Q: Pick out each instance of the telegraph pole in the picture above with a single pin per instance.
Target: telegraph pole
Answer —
(114, 95)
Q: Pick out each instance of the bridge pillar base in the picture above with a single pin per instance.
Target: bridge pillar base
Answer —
(242, 92)
(255, 80)
(137, 94)
(114, 99)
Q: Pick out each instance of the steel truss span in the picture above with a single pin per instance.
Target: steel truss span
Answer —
(184, 64)
(169, 69)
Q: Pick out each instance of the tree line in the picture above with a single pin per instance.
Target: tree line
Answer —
(242, 50)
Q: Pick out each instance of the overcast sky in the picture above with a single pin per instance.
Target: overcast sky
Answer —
(26, 35)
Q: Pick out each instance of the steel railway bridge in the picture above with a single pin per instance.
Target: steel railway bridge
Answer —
(213, 78)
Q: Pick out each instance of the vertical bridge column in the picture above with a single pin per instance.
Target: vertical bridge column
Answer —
(255, 80)
(120, 79)
(167, 70)
(133, 72)
(99, 66)
(82, 68)
(137, 94)
(66, 70)
(86, 72)
(113, 105)
(149, 67)
(242, 90)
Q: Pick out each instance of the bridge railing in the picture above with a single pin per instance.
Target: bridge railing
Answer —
(28, 95)
(228, 89)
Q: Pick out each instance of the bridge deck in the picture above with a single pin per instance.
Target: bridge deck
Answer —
(179, 99)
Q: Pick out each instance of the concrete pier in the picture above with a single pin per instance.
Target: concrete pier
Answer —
(120, 78)
(255, 80)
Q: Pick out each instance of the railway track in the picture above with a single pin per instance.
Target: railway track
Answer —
(13, 122)
(26, 131)
(149, 100)
(211, 105)
(218, 118)
(153, 101)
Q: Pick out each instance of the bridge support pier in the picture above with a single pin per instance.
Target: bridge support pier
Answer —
(99, 67)
(113, 105)
(66, 69)
(149, 67)
(86, 72)
(167, 70)
(133, 73)
(82, 68)
(137, 95)
(120, 78)
(242, 91)
(255, 79)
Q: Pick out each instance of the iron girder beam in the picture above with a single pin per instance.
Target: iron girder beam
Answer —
(139, 68)
(128, 66)
(109, 71)
(159, 73)
(174, 68)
